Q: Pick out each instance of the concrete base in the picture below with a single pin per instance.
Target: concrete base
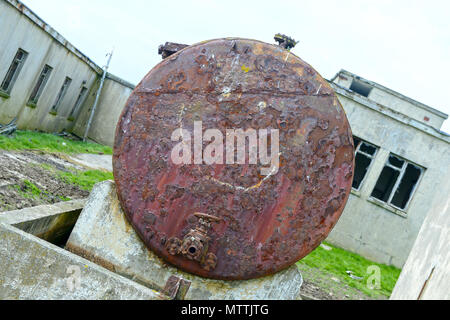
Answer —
(31, 268)
(103, 235)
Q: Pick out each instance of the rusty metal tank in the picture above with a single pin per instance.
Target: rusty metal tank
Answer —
(226, 220)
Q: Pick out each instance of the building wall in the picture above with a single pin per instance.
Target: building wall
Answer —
(114, 96)
(22, 29)
(373, 229)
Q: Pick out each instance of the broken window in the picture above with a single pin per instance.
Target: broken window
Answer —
(39, 87)
(13, 71)
(61, 94)
(397, 182)
(364, 154)
(78, 103)
(360, 87)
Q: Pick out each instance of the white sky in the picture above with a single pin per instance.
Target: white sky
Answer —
(403, 45)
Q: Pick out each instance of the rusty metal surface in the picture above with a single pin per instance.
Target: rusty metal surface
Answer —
(176, 287)
(227, 221)
(169, 48)
(285, 41)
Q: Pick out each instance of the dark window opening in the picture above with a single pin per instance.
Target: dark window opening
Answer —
(385, 184)
(61, 94)
(367, 148)
(39, 87)
(406, 187)
(356, 142)
(13, 71)
(397, 182)
(78, 103)
(396, 162)
(364, 154)
(361, 165)
(360, 87)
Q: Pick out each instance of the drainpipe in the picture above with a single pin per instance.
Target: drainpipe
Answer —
(105, 70)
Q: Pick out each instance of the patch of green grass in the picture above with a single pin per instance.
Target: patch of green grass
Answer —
(32, 189)
(29, 190)
(22, 140)
(337, 261)
(85, 179)
(64, 198)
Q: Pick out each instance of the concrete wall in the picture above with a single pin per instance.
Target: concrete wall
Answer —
(21, 28)
(373, 229)
(395, 100)
(426, 272)
(114, 96)
(33, 269)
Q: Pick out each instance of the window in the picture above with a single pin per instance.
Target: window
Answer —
(78, 103)
(364, 154)
(39, 87)
(13, 71)
(397, 182)
(360, 87)
(61, 94)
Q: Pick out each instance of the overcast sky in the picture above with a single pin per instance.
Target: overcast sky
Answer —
(404, 45)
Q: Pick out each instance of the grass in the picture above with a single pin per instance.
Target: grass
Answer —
(32, 189)
(85, 179)
(31, 140)
(29, 190)
(336, 262)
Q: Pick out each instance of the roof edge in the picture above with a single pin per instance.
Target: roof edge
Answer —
(405, 119)
(394, 93)
(115, 78)
(22, 8)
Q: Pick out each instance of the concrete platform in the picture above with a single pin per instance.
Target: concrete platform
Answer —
(31, 268)
(93, 161)
(103, 235)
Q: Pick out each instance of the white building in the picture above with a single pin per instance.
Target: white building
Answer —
(402, 158)
(47, 83)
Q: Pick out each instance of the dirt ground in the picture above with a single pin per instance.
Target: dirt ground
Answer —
(20, 170)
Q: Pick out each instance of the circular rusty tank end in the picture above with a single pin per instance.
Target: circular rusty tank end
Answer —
(231, 221)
